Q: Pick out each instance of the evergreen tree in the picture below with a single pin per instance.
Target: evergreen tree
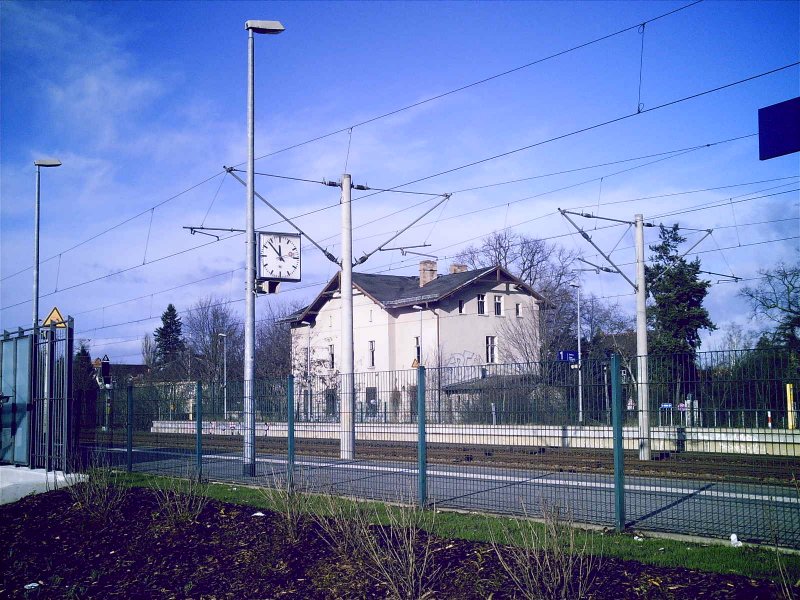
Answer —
(677, 314)
(675, 317)
(84, 392)
(169, 338)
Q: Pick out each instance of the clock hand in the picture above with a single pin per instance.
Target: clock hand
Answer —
(274, 248)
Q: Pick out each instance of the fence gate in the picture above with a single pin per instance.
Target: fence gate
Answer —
(36, 387)
(15, 403)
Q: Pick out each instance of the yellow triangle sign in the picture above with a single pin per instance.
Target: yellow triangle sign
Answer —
(54, 318)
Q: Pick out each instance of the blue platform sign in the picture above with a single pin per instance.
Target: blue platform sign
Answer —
(568, 356)
(779, 129)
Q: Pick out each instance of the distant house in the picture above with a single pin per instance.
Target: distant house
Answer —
(399, 322)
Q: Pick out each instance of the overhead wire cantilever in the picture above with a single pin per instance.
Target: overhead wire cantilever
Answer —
(324, 251)
(365, 257)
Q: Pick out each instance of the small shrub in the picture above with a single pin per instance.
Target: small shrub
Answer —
(545, 561)
(96, 489)
(181, 500)
(398, 555)
(291, 500)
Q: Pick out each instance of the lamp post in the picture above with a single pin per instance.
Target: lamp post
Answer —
(45, 162)
(252, 27)
(307, 391)
(420, 309)
(580, 377)
(308, 348)
(224, 337)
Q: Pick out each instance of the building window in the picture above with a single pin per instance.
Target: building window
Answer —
(418, 349)
(491, 349)
(481, 304)
(372, 402)
(518, 310)
(498, 305)
(372, 353)
(331, 357)
(331, 401)
(461, 307)
(330, 321)
(370, 315)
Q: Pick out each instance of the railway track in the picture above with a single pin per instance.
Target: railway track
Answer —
(733, 468)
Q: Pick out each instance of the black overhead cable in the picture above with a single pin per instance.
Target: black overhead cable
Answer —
(592, 127)
(370, 120)
(478, 82)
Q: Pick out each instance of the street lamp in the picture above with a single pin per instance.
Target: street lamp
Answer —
(308, 348)
(45, 162)
(224, 337)
(252, 27)
(580, 378)
(420, 309)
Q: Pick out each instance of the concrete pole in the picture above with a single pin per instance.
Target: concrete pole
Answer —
(249, 458)
(641, 345)
(348, 434)
(36, 252)
(580, 363)
(225, 377)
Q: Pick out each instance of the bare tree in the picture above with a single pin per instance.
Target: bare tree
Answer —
(777, 298)
(148, 351)
(547, 268)
(203, 325)
(274, 341)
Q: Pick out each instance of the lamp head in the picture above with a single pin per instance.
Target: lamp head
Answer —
(222, 335)
(417, 307)
(270, 27)
(47, 162)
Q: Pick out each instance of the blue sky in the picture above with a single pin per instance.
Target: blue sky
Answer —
(144, 100)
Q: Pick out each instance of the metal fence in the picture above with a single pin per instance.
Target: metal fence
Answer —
(723, 439)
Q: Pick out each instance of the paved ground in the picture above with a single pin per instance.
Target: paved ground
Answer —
(17, 482)
(757, 513)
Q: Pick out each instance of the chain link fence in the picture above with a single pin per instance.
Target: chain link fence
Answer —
(720, 429)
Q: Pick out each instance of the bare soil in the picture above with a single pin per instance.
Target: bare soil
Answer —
(228, 553)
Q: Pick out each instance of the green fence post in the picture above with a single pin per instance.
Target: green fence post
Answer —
(290, 431)
(617, 412)
(199, 416)
(422, 459)
(129, 427)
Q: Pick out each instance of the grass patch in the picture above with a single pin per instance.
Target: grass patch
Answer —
(750, 561)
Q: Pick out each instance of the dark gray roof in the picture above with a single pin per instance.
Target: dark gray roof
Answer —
(397, 291)
(394, 291)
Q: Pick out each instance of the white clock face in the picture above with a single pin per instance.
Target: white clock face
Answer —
(279, 256)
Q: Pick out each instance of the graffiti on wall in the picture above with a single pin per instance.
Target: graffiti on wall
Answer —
(463, 359)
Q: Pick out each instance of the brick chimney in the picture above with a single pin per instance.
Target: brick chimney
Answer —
(427, 272)
(456, 268)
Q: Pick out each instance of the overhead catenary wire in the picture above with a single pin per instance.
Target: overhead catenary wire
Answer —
(594, 126)
(118, 225)
(371, 120)
(479, 82)
(297, 288)
(494, 157)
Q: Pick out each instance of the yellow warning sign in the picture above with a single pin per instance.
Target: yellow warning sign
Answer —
(54, 318)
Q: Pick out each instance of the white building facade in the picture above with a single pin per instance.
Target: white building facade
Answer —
(457, 319)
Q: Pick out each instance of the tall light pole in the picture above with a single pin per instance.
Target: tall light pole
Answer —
(580, 371)
(307, 392)
(249, 458)
(308, 349)
(420, 309)
(224, 337)
(47, 162)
